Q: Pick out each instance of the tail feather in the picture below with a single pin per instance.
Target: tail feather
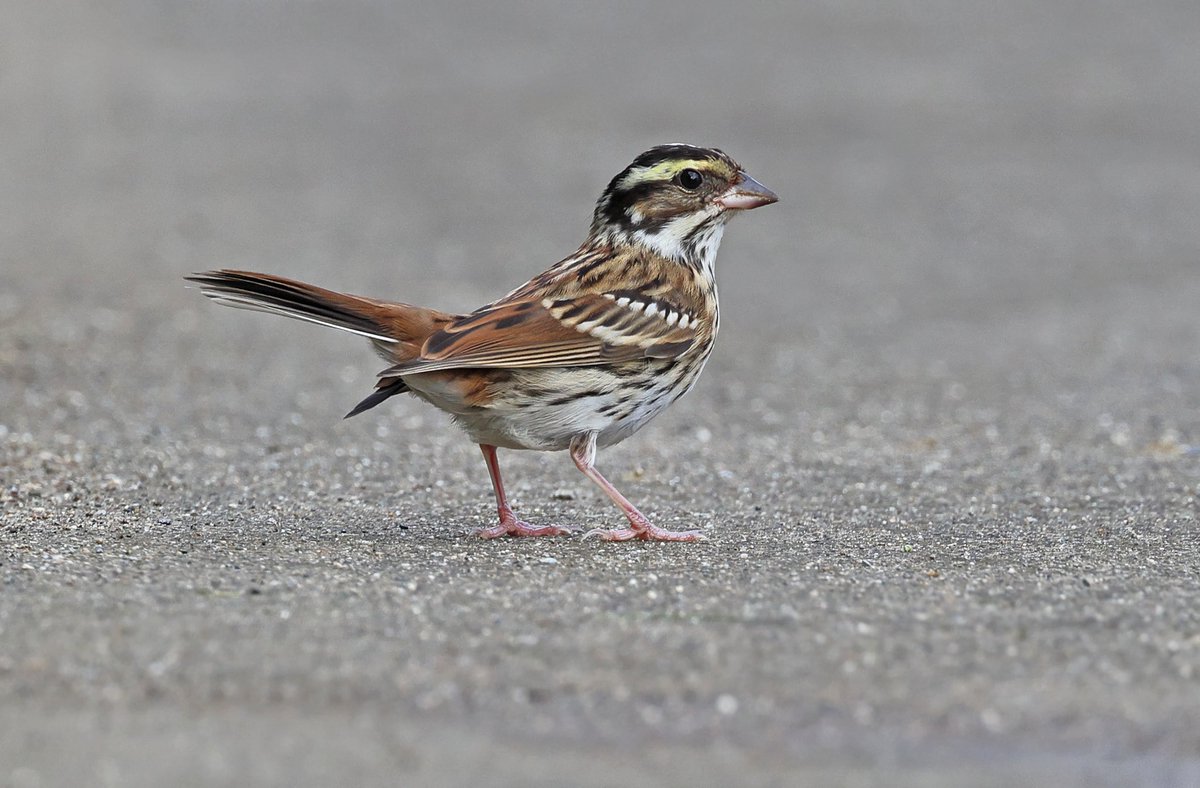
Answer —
(397, 330)
(402, 327)
(266, 293)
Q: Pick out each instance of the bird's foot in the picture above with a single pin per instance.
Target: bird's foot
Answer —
(648, 533)
(511, 526)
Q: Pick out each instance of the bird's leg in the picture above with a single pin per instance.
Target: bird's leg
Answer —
(583, 452)
(509, 524)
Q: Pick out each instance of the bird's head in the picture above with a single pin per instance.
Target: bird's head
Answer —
(676, 198)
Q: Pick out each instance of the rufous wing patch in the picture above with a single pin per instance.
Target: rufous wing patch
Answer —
(584, 330)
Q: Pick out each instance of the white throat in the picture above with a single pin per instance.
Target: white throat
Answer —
(681, 240)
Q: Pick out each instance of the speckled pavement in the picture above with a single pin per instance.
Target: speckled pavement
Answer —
(945, 452)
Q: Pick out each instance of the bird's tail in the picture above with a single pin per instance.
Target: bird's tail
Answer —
(397, 330)
(380, 321)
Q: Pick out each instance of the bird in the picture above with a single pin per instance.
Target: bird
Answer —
(578, 358)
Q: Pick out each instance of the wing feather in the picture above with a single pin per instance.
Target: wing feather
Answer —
(584, 330)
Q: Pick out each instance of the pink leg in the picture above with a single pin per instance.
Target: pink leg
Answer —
(509, 524)
(583, 452)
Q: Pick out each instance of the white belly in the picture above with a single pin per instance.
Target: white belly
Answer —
(543, 409)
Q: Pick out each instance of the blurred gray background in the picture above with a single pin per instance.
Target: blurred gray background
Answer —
(945, 450)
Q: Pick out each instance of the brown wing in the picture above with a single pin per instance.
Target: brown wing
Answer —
(584, 330)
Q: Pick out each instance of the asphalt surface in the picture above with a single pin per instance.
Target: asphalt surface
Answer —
(945, 451)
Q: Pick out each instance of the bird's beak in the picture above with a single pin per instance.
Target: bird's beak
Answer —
(747, 193)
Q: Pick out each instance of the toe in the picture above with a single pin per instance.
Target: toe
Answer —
(653, 534)
(518, 528)
(613, 535)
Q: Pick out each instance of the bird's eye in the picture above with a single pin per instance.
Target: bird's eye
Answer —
(690, 179)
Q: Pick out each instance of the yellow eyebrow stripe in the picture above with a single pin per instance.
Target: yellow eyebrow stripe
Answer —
(666, 170)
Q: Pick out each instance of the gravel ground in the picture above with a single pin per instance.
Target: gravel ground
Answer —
(945, 451)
